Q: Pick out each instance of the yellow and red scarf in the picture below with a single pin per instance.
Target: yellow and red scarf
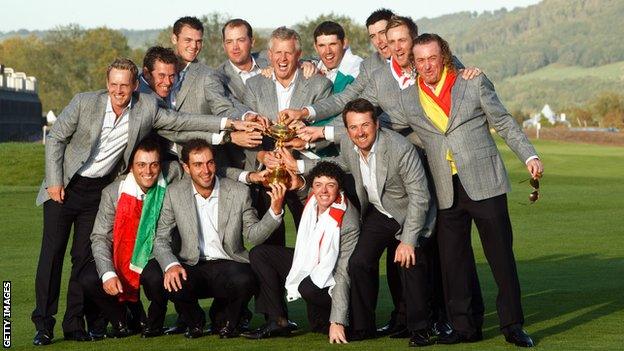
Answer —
(437, 105)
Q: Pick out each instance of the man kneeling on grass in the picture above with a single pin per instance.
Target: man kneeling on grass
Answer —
(316, 269)
(121, 242)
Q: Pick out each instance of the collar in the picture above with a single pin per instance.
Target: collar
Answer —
(215, 190)
(109, 106)
(238, 71)
(292, 81)
(373, 148)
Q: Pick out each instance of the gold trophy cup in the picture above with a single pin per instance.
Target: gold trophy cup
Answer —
(281, 134)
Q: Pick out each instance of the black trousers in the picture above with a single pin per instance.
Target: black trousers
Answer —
(262, 203)
(459, 276)
(231, 282)
(127, 313)
(377, 233)
(82, 198)
(271, 265)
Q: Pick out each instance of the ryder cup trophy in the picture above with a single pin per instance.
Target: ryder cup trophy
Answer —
(281, 133)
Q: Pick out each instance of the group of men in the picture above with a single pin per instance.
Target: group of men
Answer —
(161, 177)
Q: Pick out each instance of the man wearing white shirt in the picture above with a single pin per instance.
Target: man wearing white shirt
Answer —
(213, 217)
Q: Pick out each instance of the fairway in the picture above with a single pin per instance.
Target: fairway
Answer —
(569, 247)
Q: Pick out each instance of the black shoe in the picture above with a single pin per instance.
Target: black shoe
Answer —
(176, 329)
(78, 335)
(455, 338)
(97, 334)
(440, 329)
(270, 329)
(391, 328)
(120, 330)
(42, 338)
(359, 335)
(519, 337)
(152, 332)
(194, 332)
(227, 332)
(420, 338)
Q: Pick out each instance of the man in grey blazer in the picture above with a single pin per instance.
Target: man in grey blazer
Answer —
(213, 216)
(327, 304)
(395, 204)
(470, 181)
(90, 143)
(100, 280)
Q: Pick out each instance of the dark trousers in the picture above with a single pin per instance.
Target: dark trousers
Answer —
(262, 203)
(127, 313)
(377, 233)
(232, 282)
(271, 265)
(393, 276)
(457, 260)
(82, 198)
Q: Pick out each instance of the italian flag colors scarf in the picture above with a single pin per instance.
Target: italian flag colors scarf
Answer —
(317, 246)
(437, 105)
(133, 232)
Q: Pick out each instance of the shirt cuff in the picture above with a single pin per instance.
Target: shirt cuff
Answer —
(171, 265)
(311, 112)
(531, 158)
(300, 166)
(106, 276)
(217, 138)
(223, 123)
(276, 217)
(247, 113)
(329, 133)
(243, 177)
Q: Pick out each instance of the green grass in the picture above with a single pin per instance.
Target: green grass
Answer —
(610, 72)
(569, 248)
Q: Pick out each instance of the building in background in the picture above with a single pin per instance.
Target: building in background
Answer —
(20, 108)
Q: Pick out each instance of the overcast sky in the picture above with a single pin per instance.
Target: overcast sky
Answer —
(46, 14)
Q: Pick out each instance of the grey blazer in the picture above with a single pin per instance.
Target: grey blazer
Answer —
(261, 97)
(349, 234)
(475, 108)
(76, 132)
(102, 235)
(233, 81)
(237, 220)
(401, 183)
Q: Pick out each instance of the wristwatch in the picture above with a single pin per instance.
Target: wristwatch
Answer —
(227, 137)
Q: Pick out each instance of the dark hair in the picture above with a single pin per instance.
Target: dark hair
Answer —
(379, 15)
(148, 144)
(327, 169)
(329, 28)
(397, 21)
(359, 105)
(124, 64)
(192, 22)
(158, 53)
(237, 22)
(194, 145)
(447, 55)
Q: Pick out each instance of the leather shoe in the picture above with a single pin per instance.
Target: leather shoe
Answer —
(519, 337)
(270, 329)
(120, 330)
(440, 329)
(420, 338)
(152, 332)
(194, 332)
(227, 332)
(393, 328)
(455, 338)
(43, 337)
(78, 335)
(176, 329)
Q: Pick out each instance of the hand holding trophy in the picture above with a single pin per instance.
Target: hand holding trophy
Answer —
(281, 133)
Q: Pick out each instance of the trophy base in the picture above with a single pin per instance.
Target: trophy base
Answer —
(277, 175)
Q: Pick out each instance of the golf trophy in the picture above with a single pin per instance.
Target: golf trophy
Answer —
(281, 133)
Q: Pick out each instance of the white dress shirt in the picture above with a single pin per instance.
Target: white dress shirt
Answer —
(244, 75)
(210, 238)
(368, 170)
(284, 93)
(110, 146)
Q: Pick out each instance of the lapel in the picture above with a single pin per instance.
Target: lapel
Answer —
(189, 205)
(98, 112)
(381, 165)
(457, 96)
(271, 98)
(354, 161)
(224, 206)
(300, 91)
(189, 80)
(134, 125)
(236, 83)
